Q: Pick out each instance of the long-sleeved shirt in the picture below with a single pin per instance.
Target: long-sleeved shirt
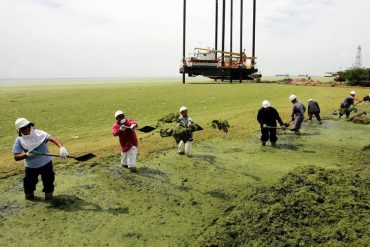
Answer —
(313, 107)
(269, 116)
(127, 137)
(298, 109)
(348, 101)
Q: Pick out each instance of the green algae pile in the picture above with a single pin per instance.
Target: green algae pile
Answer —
(310, 206)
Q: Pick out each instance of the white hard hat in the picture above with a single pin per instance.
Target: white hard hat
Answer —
(119, 112)
(266, 104)
(353, 93)
(183, 108)
(21, 122)
(292, 97)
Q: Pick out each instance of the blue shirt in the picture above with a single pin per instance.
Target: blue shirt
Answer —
(37, 160)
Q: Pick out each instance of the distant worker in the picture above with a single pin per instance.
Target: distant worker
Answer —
(186, 142)
(345, 105)
(267, 117)
(366, 98)
(31, 146)
(124, 128)
(297, 115)
(313, 110)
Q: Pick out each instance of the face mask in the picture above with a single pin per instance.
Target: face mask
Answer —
(31, 134)
(123, 121)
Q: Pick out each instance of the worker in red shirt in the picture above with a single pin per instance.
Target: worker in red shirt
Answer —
(125, 130)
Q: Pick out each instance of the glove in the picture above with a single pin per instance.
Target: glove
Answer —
(63, 152)
(264, 126)
(30, 154)
(122, 127)
(133, 126)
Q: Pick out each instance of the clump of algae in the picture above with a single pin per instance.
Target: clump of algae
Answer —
(308, 207)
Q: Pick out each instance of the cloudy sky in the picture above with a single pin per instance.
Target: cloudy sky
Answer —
(121, 38)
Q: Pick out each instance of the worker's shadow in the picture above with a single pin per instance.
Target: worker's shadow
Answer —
(70, 203)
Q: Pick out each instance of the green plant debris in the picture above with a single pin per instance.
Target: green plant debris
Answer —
(169, 118)
(308, 207)
(221, 125)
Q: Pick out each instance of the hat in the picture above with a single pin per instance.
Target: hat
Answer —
(292, 97)
(353, 93)
(183, 108)
(310, 100)
(119, 112)
(266, 104)
(21, 122)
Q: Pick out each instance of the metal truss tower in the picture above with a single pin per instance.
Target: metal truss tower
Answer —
(358, 63)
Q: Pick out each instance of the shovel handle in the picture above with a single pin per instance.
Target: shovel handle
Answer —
(53, 155)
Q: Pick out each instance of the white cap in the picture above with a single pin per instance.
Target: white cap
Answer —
(21, 122)
(310, 100)
(292, 97)
(266, 104)
(353, 93)
(119, 112)
(183, 108)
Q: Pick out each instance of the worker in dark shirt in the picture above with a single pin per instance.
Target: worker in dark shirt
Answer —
(366, 98)
(267, 117)
(313, 110)
(344, 106)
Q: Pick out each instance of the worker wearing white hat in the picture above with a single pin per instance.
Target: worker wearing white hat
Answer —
(313, 110)
(345, 105)
(267, 117)
(31, 146)
(186, 143)
(298, 111)
(124, 128)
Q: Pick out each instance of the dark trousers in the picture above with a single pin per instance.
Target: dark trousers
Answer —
(268, 133)
(31, 178)
(316, 114)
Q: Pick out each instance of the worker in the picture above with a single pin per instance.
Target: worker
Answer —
(366, 98)
(344, 106)
(124, 128)
(186, 142)
(267, 117)
(314, 110)
(297, 115)
(31, 145)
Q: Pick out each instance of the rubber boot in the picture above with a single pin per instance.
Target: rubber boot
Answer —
(273, 144)
(29, 196)
(48, 196)
(263, 143)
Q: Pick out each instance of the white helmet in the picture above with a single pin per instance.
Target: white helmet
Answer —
(310, 100)
(21, 122)
(353, 93)
(183, 108)
(266, 104)
(292, 97)
(119, 112)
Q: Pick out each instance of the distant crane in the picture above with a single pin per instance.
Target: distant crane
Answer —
(358, 63)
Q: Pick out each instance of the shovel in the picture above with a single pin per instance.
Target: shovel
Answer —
(84, 157)
(145, 129)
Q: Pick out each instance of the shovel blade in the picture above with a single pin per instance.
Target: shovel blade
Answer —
(147, 129)
(85, 157)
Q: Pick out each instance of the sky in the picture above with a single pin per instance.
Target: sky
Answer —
(121, 38)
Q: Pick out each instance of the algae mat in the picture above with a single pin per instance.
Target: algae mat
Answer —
(172, 200)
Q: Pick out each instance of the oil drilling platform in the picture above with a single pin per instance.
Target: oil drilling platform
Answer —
(220, 64)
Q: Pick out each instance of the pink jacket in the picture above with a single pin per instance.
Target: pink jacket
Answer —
(127, 137)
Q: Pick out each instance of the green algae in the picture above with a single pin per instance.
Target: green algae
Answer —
(308, 207)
